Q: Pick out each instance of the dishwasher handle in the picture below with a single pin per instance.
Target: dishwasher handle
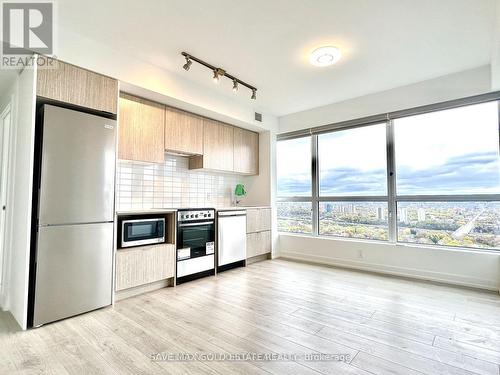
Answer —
(231, 213)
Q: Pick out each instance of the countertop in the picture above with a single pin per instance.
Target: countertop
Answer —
(233, 208)
(145, 211)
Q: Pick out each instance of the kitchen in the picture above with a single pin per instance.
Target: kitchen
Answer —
(172, 171)
(275, 193)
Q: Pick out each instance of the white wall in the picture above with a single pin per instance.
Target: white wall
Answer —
(23, 155)
(470, 268)
(453, 86)
(258, 187)
(495, 52)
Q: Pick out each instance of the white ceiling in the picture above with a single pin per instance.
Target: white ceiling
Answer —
(385, 43)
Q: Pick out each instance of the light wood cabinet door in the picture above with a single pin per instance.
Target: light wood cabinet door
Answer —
(253, 218)
(246, 151)
(70, 84)
(142, 127)
(144, 265)
(258, 243)
(183, 132)
(218, 147)
(258, 219)
(265, 219)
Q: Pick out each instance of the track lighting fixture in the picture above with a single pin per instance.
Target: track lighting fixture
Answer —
(217, 73)
(188, 63)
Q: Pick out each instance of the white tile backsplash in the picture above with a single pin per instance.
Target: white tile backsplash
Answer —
(171, 185)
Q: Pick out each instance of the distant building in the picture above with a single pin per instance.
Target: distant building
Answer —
(380, 214)
(403, 216)
(348, 208)
(329, 207)
(421, 214)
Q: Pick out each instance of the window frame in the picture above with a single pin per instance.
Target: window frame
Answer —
(392, 198)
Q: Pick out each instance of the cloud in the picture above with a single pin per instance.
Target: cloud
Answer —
(471, 173)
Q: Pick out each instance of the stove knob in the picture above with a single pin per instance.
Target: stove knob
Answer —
(196, 216)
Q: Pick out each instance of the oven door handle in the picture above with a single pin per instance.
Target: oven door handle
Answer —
(195, 224)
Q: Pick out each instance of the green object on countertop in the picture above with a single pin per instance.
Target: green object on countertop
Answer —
(239, 191)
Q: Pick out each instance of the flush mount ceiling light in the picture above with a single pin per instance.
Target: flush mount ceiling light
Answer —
(325, 56)
(217, 73)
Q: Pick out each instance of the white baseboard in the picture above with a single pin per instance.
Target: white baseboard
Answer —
(447, 278)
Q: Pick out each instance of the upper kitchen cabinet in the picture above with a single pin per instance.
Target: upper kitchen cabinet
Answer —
(183, 132)
(70, 84)
(141, 130)
(246, 151)
(218, 147)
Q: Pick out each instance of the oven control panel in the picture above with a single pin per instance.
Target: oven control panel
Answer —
(195, 215)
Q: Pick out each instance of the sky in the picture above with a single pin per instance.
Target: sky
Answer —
(447, 152)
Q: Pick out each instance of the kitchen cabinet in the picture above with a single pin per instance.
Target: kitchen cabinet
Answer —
(258, 231)
(246, 151)
(74, 85)
(141, 130)
(258, 219)
(218, 147)
(143, 265)
(258, 243)
(183, 132)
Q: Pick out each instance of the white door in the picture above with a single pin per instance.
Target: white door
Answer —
(5, 127)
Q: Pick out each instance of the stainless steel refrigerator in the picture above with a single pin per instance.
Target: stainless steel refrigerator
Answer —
(72, 255)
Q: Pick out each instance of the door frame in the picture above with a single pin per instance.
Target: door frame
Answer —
(5, 166)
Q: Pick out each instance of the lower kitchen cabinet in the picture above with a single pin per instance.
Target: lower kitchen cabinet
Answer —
(143, 265)
(258, 243)
(258, 219)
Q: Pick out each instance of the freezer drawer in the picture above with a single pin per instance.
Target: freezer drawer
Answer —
(73, 270)
(78, 167)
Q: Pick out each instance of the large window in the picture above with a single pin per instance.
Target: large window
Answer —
(295, 217)
(353, 162)
(366, 220)
(431, 178)
(448, 152)
(295, 184)
(294, 167)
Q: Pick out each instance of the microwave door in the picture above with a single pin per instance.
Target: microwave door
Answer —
(142, 232)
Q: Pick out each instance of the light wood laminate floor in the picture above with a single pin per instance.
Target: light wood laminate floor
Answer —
(382, 325)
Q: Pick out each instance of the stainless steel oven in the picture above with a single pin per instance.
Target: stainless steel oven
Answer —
(141, 231)
(195, 243)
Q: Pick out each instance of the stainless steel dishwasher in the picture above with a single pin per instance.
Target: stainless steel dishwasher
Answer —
(232, 239)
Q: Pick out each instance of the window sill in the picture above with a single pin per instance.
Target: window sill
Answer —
(394, 244)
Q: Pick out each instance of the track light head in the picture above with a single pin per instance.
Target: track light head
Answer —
(235, 85)
(188, 63)
(254, 94)
(216, 76)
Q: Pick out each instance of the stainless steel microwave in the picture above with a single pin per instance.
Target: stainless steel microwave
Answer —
(139, 232)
